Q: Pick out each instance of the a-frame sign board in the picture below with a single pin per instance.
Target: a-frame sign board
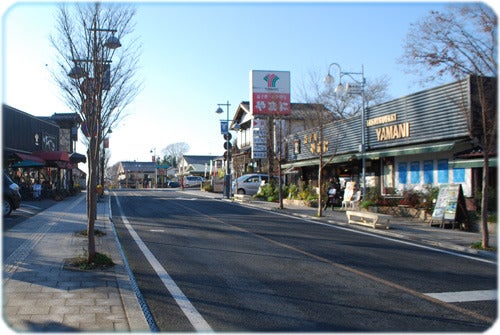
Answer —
(450, 207)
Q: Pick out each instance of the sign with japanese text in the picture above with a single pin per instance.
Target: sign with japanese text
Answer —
(269, 92)
(259, 143)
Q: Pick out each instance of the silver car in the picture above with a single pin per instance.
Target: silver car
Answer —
(193, 181)
(248, 183)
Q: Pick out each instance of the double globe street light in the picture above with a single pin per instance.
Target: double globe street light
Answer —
(91, 86)
(358, 87)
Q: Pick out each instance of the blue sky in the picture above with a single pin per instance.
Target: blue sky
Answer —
(198, 54)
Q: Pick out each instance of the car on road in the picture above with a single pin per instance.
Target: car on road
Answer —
(173, 184)
(11, 195)
(193, 181)
(249, 183)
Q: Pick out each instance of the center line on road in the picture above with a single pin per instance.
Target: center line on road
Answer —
(198, 322)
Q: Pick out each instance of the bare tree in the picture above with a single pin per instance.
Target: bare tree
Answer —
(318, 118)
(340, 107)
(174, 151)
(96, 78)
(456, 43)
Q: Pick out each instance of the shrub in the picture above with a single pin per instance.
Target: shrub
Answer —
(268, 192)
(293, 191)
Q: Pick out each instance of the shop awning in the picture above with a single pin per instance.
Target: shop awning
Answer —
(472, 163)
(411, 150)
(75, 157)
(27, 157)
(28, 161)
(326, 160)
(376, 154)
(61, 156)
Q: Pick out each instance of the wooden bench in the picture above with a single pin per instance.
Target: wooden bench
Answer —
(373, 220)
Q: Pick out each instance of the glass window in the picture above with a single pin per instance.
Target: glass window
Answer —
(428, 172)
(459, 175)
(415, 172)
(443, 171)
(402, 171)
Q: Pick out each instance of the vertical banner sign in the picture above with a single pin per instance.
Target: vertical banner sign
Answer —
(259, 143)
(269, 92)
(224, 127)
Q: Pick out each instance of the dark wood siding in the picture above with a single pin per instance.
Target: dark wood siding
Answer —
(19, 129)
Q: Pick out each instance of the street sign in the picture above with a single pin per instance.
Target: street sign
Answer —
(262, 148)
(259, 154)
(354, 88)
(260, 140)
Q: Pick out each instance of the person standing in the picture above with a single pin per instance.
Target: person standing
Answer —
(333, 192)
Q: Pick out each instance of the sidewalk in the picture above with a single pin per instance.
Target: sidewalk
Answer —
(40, 295)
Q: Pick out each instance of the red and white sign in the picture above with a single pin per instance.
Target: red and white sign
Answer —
(269, 92)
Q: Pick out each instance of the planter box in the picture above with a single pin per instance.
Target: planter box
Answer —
(303, 203)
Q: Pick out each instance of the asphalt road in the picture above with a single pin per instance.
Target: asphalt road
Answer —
(208, 264)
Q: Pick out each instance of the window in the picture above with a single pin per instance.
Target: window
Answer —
(443, 171)
(459, 175)
(415, 172)
(428, 172)
(402, 171)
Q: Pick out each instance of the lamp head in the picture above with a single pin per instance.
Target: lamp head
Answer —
(328, 79)
(219, 110)
(113, 42)
(77, 72)
(339, 89)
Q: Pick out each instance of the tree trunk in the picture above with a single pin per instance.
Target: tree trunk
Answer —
(484, 203)
(320, 181)
(92, 199)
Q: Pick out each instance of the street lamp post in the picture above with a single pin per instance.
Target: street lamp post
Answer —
(227, 177)
(153, 151)
(358, 88)
(91, 89)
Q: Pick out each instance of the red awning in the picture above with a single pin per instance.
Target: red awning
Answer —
(61, 156)
(27, 157)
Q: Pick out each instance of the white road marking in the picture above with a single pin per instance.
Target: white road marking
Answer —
(26, 211)
(30, 206)
(198, 322)
(465, 296)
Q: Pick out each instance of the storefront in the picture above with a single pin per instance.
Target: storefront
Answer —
(413, 142)
(40, 150)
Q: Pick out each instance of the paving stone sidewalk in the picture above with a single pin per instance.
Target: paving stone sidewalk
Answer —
(40, 293)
